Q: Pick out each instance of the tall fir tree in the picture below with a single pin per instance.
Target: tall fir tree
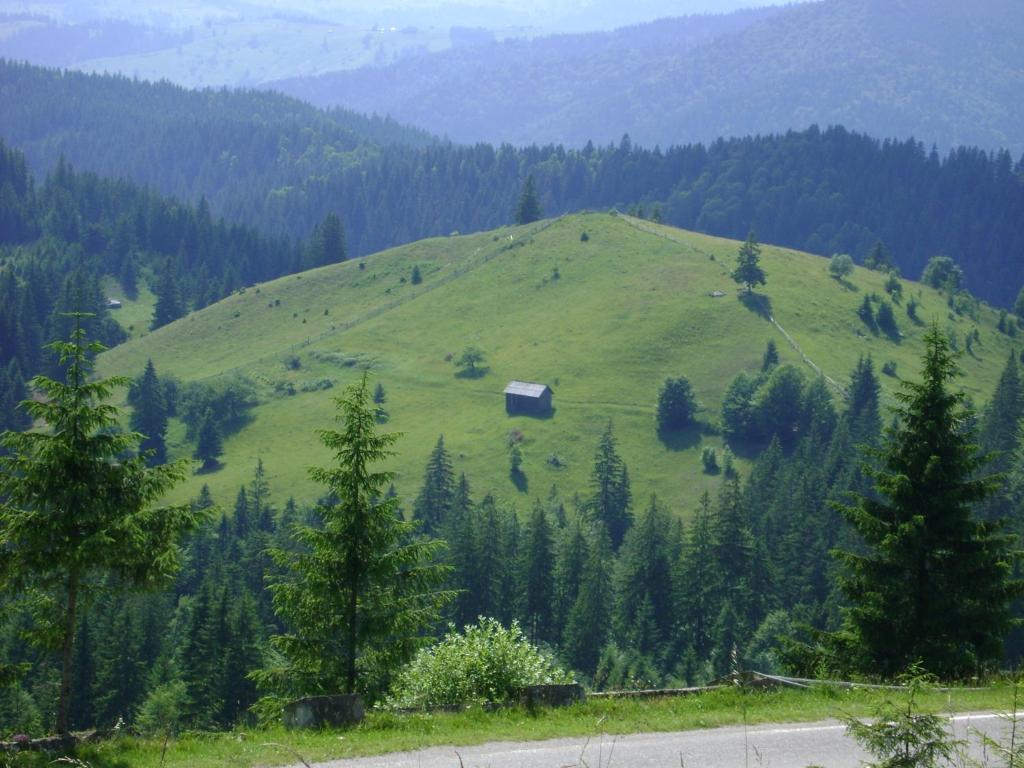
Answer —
(360, 589)
(933, 583)
(748, 271)
(612, 498)
(149, 415)
(538, 577)
(643, 577)
(570, 559)
(170, 304)
(528, 209)
(696, 582)
(587, 626)
(434, 501)
(209, 445)
(997, 436)
(862, 412)
(74, 509)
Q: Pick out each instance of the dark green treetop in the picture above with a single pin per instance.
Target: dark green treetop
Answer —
(612, 497)
(434, 502)
(149, 415)
(748, 272)
(360, 589)
(75, 511)
(169, 302)
(934, 584)
(528, 210)
(677, 404)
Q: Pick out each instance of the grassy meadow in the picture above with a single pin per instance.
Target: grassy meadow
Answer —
(603, 320)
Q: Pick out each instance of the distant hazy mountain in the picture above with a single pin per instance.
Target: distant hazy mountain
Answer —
(943, 71)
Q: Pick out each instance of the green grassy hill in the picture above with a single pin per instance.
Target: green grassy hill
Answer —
(604, 321)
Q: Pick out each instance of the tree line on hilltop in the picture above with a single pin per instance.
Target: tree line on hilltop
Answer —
(281, 166)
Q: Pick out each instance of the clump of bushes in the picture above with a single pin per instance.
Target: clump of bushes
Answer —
(486, 663)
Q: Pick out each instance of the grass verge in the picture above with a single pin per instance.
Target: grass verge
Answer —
(385, 732)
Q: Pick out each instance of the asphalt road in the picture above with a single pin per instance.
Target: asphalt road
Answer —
(796, 745)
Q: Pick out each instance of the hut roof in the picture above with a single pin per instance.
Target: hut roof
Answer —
(525, 389)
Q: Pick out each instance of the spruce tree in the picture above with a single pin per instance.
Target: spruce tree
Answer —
(1018, 306)
(932, 584)
(586, 628)
(643, 575)
(677, 404)
(748, 272)
(528, 210)
(359, 589)
(209, 445)
(459, 532)
(169, 302)
(696, 582)
(611, 500)
(75, 509)
(327, 245)
(862, 410)
(149, 415)
(771, 356)
(538, 577)
(878, 258)
(570, 558)
(434, 502)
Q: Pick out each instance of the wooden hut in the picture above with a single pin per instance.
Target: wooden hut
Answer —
(527, 397)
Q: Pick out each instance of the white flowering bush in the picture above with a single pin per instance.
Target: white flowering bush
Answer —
(484, 664)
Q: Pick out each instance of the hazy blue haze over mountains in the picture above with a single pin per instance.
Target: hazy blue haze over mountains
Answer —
(282, 166)
(942, 71)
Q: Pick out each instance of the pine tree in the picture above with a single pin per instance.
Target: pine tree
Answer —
(1018, 306)
(460, 533)
(677, 404)
(434, 502)
(149, 415)
(169, 302)
(867, 314)
(327, 245)
(209, 446)
(538, 577)
(734, 554)
(934, 583)
(570, 558)
(586, 628)
(862, 411)
(696, 581)
(242, 655)
(74, 508)
(748, 272)
(643, 576)
(771, 356)
(360, 589)
(612, 498)
(998, 435)
(878, 258)
(528, 210)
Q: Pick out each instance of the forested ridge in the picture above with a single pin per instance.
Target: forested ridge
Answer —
(935, 69)
(282, 167)
(59, 239)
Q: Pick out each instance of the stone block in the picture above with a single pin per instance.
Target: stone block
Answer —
(551, 695)
(324, 711)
